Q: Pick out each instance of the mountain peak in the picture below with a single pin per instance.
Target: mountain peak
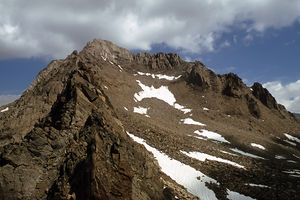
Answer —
(108, 50)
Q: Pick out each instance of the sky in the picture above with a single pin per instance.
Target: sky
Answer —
(257, 39)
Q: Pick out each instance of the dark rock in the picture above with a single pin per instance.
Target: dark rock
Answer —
(233, 85)
(159, 61)
(253, 107)
(264, 96)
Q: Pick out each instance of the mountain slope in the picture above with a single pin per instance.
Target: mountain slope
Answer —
(69, 134)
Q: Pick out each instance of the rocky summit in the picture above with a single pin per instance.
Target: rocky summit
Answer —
(107, 124)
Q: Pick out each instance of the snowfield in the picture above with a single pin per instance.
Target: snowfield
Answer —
(237, 196)
(193, 180)
(161, 93)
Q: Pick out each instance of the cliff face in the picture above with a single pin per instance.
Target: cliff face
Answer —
(67, 136)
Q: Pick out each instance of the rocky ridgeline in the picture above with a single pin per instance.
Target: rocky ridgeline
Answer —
(63, 139)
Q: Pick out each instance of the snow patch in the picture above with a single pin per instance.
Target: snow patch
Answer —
(279, 157)
(111, 62)
(162, 93)
(5, 109)
(237, 196)
(257, 185)
(141, 110)
(121, 69)
(192, 122)
(296, 156)
(182, 108)
(126, 108)
(193, 180)
(232, 154)
(105, 87)
(291, 143)
(293, 172)
(205, 109)
(291, 161)
(211, 135)
(103, 58)
(160, 76)
(292, 138)
(246, 154)
(258, 146)
(203, 156)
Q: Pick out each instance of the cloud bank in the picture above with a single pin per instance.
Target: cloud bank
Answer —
(55, 28)
(288, 95)
(5, 99)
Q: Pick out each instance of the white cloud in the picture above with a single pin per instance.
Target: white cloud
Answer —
(288, 95)
(5, 99)
(55, 28)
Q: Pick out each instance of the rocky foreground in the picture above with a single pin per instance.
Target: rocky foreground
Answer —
(107, 124)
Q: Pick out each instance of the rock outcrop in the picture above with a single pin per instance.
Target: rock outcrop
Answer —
(159, 61)
(264, 96)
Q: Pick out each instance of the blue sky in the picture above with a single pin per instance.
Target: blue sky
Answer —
(257, 39)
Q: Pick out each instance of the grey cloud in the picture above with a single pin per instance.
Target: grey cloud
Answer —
(55, 28)
(5, 99)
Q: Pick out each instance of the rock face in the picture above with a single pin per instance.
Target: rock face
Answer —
(159, 61)
(66, 137)
(264, 96)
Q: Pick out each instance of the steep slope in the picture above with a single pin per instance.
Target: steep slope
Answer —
(69, 134)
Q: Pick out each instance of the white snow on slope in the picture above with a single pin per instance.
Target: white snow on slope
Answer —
(183, 174)
(160, 76)
(237, 196)
(5, 109)
(121, 69)
(141, 110)
(103, 58)
(257, 185)
(246, 154)
(192, 122)
(161, 93)
(296, 156)
(203, 156)
(293, 172)
(292, 138)
(232, 154)
(279, 157)
(182, 108)
(291, 143)
(205, 109)
(126, 108)
(211, 135)
(258, 146)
